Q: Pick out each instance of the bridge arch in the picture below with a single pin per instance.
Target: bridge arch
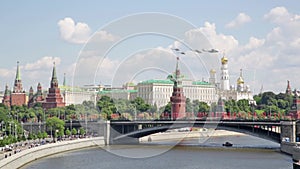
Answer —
(258, 132)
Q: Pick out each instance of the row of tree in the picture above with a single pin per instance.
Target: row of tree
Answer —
(108, 108)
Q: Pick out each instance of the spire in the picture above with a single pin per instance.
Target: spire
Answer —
(31, 89)
(18, 74)
(18, 82)
(241, 72)
(39, 89)
(64, 82)
(6, 93)
(288, 88)
(54, 72)
(177, 71)
(54, 81)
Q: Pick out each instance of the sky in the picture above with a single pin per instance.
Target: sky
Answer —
(108, 43)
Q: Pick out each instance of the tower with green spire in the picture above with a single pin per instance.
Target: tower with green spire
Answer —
(18, 96)
(18, 88)
(54, 98)
(64, 83)
(6, 97)
(54, 81)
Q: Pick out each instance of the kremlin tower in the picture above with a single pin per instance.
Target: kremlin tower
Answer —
(288, 90)
(54, 98)
(18, 96)
(35, 98)
(6, 97)
(177, 99)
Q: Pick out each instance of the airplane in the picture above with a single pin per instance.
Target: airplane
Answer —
(210, 51)
(176, 49)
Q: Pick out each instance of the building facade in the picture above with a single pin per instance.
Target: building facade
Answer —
(159, 91)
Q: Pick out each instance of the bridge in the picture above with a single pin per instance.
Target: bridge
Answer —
(129, 132)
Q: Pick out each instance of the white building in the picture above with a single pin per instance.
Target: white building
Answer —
(241, 91)
(76, 95)
(159, 91)
(224, 81)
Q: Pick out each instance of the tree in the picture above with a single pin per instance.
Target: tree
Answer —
(45, 135)
(188, 105)
(244, 105)
(40, 136)
(203, 107)
(231, 106)
(56, 125)
(74, 131)
(81, 131)
(140, 104)
(106, 106)
(153, 108)
(68, 132)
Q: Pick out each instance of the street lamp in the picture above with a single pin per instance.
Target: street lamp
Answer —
(44, 122)
(71, 124)
(9, 128)
(16, 131)
(86, 123)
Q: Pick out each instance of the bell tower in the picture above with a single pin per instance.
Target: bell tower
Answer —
(224, 74)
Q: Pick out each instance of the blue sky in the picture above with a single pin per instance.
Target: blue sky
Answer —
(30, 33)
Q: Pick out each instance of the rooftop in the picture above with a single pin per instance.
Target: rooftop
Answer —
(201, 83)
(116, 91)
(159, 81)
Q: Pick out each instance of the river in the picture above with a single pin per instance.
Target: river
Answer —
(189, 154)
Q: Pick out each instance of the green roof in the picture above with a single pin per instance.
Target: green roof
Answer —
(201, 83)
(70, 88)
(167, 81)
(116, 91)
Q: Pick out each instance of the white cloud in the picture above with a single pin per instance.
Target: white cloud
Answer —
(240, 20)
(218, 40)
(45, 62)
(269, 60)
(278, 15)
(4, 73)
(254, 43)
(73, 32)
(104, 36)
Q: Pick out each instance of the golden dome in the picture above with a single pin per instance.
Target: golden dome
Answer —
(240, 80)
(213, 71)
(224, 60)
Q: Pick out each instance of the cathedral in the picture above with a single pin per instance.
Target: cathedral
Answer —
(230, 92)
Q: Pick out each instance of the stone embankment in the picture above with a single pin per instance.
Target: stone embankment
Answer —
(24, 157)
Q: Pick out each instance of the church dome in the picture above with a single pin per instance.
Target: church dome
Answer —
(213, 71)
(240, 80)
(224, 60)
